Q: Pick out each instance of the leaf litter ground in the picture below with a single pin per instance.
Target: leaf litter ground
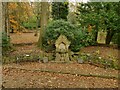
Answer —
(35, 79)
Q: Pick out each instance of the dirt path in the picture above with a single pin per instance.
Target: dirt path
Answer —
(23, 38)
(30, 78)
(20, 78)
(73, 68)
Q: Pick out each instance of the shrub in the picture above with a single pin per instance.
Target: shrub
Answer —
(116, 38)
(78, 37)
(31, 23)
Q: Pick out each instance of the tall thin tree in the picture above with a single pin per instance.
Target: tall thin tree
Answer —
(44, 20)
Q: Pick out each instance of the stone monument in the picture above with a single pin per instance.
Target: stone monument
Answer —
(62, 45)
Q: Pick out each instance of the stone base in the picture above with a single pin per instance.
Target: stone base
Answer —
(64, 57)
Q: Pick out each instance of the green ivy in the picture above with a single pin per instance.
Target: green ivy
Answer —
(102, 62)
(5, 43)
(5, 40)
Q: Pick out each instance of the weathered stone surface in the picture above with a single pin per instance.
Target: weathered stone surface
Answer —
(80, 60)
(62, 45)
(58, 57)
(45, 59)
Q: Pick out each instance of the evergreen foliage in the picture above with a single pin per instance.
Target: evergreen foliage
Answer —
(101, 16)
(5, 42)
(77, 36)
(59, 10)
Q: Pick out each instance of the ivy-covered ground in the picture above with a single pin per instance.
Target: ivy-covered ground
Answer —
(57, 75)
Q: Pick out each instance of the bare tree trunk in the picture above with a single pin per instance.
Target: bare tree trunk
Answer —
(109, 36)
(7, 20)
(3, 17)
(44, 21)
(18, 19)
(1, 41)
(36, 31)
(37, 13)
(37, 21)
(5, 24)
(96, 33)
